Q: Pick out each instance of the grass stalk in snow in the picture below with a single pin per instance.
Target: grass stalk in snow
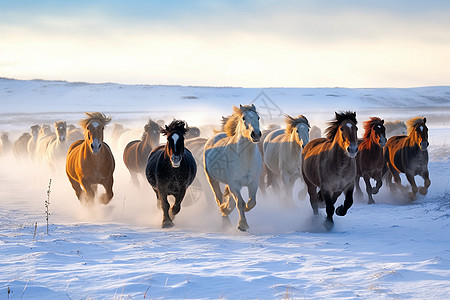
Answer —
(47, 202)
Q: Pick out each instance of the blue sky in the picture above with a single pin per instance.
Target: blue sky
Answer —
(229, 43)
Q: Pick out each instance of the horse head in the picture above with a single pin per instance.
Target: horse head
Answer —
(34, 131)
(375, 131)
(175, 132)
(93, 130)
(348, 140)
(61, 130)
(418, 132)
(250, 119)
(299, 128)
(152, 132)
(44, 130)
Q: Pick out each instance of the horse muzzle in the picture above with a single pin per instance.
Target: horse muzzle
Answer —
(96, 146)
(175, 160)
(352, 150)
(256, 137)
(424, 145)
(382, 141)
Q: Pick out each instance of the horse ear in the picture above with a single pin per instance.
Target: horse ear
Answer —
(240, 106)
(424, 120)
(253, 106)
(336, 115)
(382, 121)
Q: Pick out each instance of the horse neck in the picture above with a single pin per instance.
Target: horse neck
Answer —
(294, 141)
(337, 149)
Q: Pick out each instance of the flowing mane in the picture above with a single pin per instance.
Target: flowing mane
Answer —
(176, 125)
(150, 125)
(291, 122)
(412, 123)
(97, 116)
(230, 123)
(368, 126)
(330, 132)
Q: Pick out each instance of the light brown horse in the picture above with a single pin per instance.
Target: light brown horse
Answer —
(330, 165)
(90, 161)
(408, 154)
(135, 154)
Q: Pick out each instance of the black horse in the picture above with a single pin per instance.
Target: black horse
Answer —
(171, 169)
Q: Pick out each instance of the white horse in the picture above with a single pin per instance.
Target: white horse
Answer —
(395, 128)
(233, 158)
(315, 133)
(44, 137)
(57, 148)
(283, 155)
(31, 146)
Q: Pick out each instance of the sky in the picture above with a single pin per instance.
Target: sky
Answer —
(317, 43)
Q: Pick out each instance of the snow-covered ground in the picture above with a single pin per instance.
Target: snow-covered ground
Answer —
(393, 249)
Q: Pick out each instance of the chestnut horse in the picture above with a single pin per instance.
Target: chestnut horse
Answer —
(409, 155)
(135, 154)
(90, 161)
(330, 165)
(170, 170)
(370, 160)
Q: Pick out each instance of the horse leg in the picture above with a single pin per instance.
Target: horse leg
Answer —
(348, 202)
(303, 190)
(368, 189)
(134, 178)
(326, 195)
(252, 189)
(272, 180)
(167, 221)
(312, 191)
(76, 186)
(215, 186)
(108, 184)
(286, 177)
(236, 192)
(412, 182)
(175, 209)
(359, 192)
(377, 176)
(87, 186)
(426, 182)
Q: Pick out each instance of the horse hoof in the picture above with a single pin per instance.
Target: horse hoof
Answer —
(167, 224)
(340, 211)
(328, 224)
(371, 202)
(249, 206)
(243, 226)
(423, 190)
(104, 199)
(412, 196)
(375, 190)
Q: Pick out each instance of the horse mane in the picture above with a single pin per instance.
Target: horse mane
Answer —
(175, 125)
(229, 124)
(94, 116)
(368, 126)
(412, 123)
(333, 126)
(150, 124)
(291, 122)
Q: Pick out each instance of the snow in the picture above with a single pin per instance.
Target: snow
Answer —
(393, 249)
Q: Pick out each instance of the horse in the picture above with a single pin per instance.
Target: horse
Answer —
(73, 134)
(90, 161)
(58, 146)
(370, 160)
(193, 132)
(20, 145)
(44, 137)
(135, 154)
(233, 158)
(31, 145)
(170, 170)
(330, 165)
(5, 144)
(283, 154)
(262, 178)
(395, 128)
(408, 154)
(315, 133)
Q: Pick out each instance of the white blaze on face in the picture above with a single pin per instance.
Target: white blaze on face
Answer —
(349, 125)
(421, 128)
(95, 124)
(175, 138)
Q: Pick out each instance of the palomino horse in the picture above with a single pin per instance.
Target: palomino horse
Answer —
(135, 154)
(409, 155)
(57, 147)
(5, 144)
(330, 165)
(20, 146)
(90, 161)
(369, 160)
(31, 145)
(44, 136)
(283, 154)
(233, 158)
(170, 170)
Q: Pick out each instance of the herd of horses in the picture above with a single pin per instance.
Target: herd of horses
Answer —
(241, 155)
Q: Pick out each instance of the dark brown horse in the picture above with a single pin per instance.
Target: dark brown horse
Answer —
(135, 154)
(370, 160)
(409, 155)
(90, 161)
(330, 165)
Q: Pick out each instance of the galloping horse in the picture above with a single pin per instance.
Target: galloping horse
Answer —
(90, 161)
(329, 164)
(283, 154)
(170, 170)
(135, 154)
(31, 145)
(57, 147)
(409, 155)
(370, 160)
(233, 158)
